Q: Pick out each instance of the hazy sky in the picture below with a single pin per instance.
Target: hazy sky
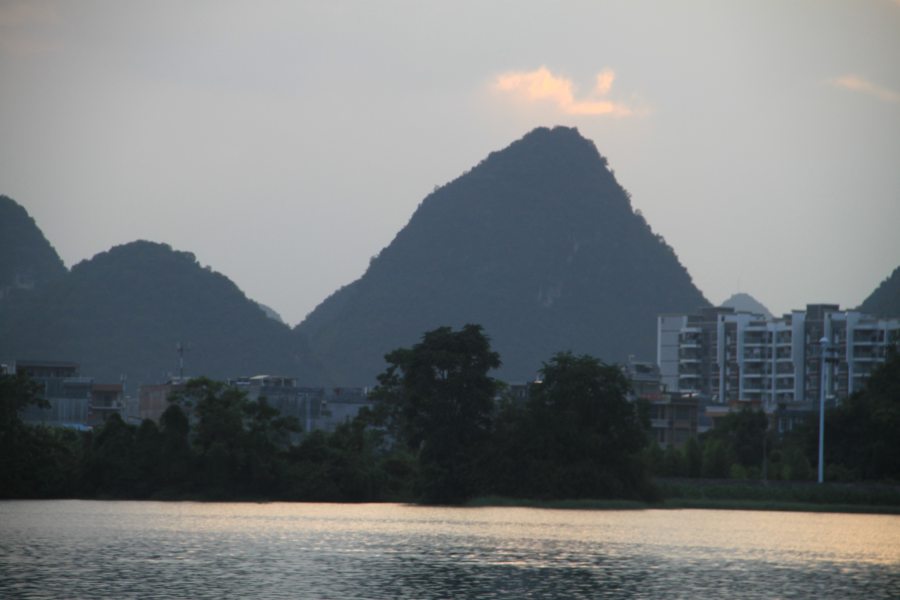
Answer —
(285, 143)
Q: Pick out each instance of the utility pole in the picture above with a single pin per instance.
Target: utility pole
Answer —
(827, 358)
(179, 346)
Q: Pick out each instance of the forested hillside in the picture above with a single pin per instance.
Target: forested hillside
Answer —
(538, 243)
(27, 260)
(123, 311)
(747, 303)
(884, 301)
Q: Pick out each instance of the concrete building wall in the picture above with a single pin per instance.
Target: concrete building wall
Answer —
(668, 329)
(746, 358)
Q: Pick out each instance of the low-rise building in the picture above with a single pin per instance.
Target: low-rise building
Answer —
(675, 417)
(68, 393)
(154, 399)
(315, 407)
(106, 400)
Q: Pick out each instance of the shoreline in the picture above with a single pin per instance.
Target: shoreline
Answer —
(584, 504)
(685, 503)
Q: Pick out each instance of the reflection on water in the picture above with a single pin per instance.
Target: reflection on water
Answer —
(80, 549)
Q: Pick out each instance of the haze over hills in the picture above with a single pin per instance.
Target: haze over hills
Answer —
(884, 301)
(27, 260)
(124, 310)
(745, 302)
(538, 243)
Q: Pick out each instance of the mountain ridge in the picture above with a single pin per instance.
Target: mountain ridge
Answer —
(528, 243)
(27, 259)
(123, 311)
(747, 303)
(884, 301)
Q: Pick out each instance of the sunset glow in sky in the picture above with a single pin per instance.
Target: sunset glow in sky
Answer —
(285, 143)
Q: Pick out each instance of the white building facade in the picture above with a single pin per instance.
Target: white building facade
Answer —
(742, 356)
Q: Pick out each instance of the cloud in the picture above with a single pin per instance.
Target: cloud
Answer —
(542, 85)
(19, 14)
(860, 84)
(23, 25)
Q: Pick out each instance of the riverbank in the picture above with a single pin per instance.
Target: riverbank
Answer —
(738, 495)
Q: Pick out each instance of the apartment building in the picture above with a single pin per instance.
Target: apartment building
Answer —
(742, 356)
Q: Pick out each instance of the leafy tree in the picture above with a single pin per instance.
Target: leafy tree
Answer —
(175, 451)
(674, 463)
(438, 399)
(111, 467)
(576, 437)
(239, 444)
(654, 457)
(796, 467)
(35, 462)
(741, 434)
(716, 462)
(340, 466)
(693, 456)
(861, 434)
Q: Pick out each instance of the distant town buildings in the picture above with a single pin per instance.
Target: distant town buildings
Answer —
(62, 385)
(77, 401)
(315, 407)
(107, 399)
(674, 416)
(154, 399)
(738, 356)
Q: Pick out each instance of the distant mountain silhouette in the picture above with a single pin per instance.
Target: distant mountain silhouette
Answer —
(27, 260)
(123, 311)
(538, 243)
(270, 312)
(885, 300)
(745, 302)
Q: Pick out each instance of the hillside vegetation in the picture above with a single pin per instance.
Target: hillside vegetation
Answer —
(538, 243)
(27, 260)
(124, 310)
(884, 301)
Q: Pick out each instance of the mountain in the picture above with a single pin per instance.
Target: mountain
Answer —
(538, 243)
(27, 260)
(270, 312)
(747, 303)
(123, 311)
(885, 300)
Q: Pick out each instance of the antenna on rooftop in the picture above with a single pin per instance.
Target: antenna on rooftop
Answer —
(180, 347)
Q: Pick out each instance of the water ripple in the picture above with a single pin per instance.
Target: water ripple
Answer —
(78, 549)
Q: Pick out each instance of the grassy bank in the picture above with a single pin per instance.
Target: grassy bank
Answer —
(781, 492)
(738, 495)
(681, 503)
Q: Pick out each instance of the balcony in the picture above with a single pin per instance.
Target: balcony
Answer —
(755, 374)
(659, 423)
(644, 376)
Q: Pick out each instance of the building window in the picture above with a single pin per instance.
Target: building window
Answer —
(682, 413)
(681, 435)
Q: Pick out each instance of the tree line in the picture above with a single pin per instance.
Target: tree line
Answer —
(441, 430)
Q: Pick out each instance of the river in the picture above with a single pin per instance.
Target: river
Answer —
(92, 549)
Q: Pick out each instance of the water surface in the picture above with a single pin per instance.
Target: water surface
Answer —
(92, 549)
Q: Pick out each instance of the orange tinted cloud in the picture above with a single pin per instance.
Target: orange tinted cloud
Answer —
(543, 85)
(21, 27)
(21, 13)
(860, 84)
